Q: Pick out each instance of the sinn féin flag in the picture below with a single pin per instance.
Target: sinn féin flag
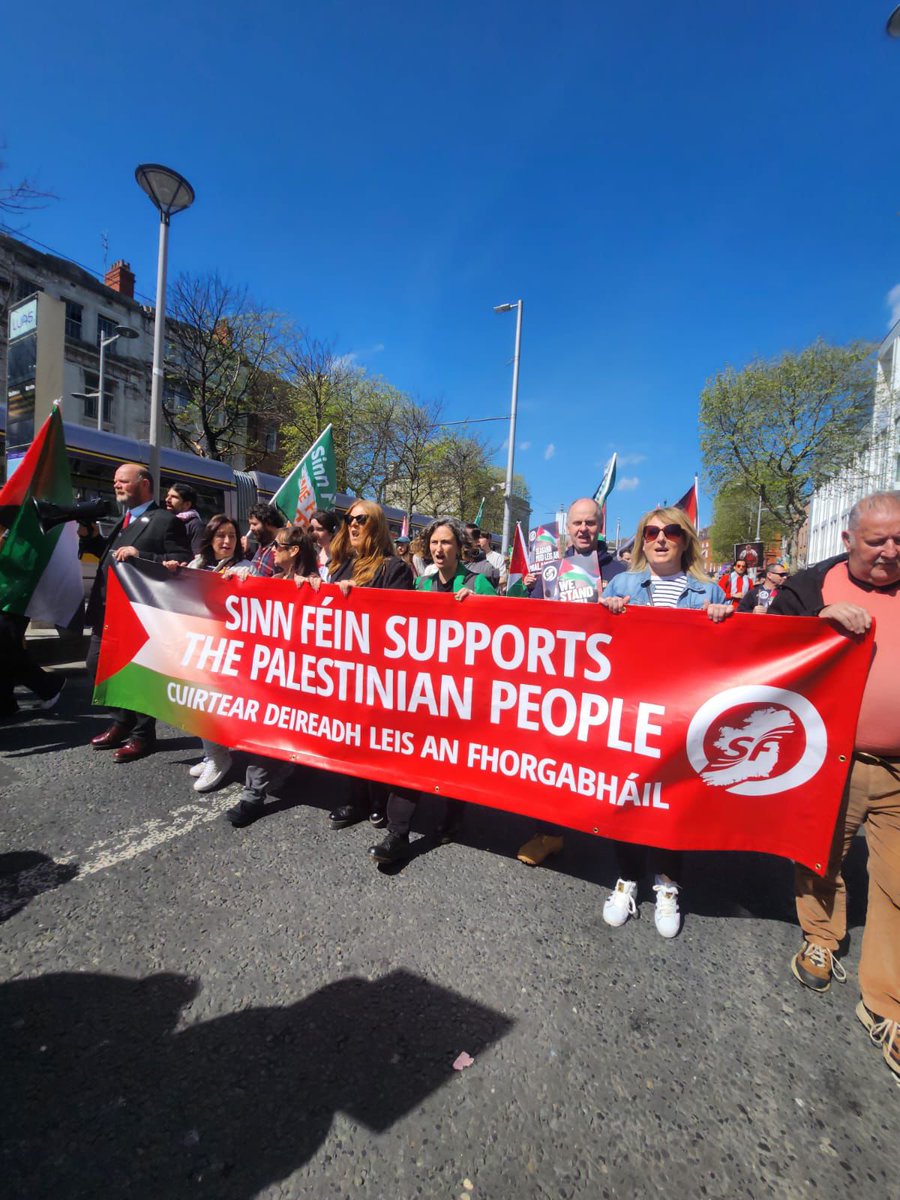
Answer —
(40, 576)
(312, 484)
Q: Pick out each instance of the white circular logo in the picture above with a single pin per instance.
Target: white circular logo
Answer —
(550, 573)
(756, 740)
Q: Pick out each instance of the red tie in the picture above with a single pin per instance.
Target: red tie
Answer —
(127, 520)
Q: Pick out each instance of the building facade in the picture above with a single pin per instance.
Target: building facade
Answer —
(876, 467)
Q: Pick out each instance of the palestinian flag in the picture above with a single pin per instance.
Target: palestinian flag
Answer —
(40, 576)
(518, 565)
(312, 484)
(607, 483)
(689, 504)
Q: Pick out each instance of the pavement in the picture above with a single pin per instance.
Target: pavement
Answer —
(189, 1010)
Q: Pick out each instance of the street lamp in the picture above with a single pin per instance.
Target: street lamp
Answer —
(122, 331)
(893, 23)
(507, 493)
(171, 193)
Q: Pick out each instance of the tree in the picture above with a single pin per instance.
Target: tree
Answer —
(221, 386)
(23, 196)
(734, 520)
(781, 428)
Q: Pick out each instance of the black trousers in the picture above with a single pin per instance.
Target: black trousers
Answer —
(19, 668)
(401, 808)
(140, 724)
(636, 861)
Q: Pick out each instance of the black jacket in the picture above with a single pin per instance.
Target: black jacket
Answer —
(157, 534)
(801, 596)
(394, 573)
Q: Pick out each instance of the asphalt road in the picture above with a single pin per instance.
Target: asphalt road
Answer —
(190, 1010)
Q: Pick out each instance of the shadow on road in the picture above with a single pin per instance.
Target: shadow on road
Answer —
(25, 874)
(108, 1097)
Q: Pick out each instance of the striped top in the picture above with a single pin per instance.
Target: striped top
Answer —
(665, 592)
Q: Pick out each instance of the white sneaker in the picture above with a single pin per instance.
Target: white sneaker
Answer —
(667, 917)
(620, 903)
(214, 772)
(198, 768)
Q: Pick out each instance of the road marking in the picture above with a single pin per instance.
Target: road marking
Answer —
(128, 844)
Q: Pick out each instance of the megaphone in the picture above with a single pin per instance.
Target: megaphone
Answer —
(85, 511)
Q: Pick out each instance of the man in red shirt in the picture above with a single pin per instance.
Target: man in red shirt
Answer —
(850, 591)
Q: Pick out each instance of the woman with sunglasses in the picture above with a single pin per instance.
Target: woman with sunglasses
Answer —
(363, 555)
(665, 572)
(295, 562)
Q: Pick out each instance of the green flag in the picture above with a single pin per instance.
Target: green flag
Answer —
(40, 576)
(312, 484)
(479, 516)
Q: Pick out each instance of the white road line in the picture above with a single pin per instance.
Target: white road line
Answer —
(131, 842)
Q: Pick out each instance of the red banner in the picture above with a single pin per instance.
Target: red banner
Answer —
(656, 726)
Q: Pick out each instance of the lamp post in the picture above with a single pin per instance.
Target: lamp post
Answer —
(507, 493)
(892, 29)
(171, 193)
(122, 331)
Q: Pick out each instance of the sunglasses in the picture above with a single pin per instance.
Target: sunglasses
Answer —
(672, 533)
(357, 519)
(778, 574)
(282, 545)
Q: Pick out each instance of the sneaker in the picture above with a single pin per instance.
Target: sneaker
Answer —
(393, 849)
(884, 1033)
(814, 966)
(198, 768)
(541, 846)
(46, 705)
(667, 916)
(620, 903)
(214, 773)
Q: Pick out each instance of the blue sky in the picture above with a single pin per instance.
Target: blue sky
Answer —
(669, 188)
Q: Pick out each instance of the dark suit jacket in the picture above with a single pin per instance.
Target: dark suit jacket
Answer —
(157, 534)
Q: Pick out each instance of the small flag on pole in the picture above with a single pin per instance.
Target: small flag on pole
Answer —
(40, 576)
(404, 528)
(688, 503)
(479, 516)
(518, 565)
(312, 484)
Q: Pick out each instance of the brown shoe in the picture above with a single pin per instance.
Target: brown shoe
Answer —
(884, 1033)
(114, 735)
(134, 748)
(814, 966)
(541, 846)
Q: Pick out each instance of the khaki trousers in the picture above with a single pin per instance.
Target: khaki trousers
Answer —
(873, 797)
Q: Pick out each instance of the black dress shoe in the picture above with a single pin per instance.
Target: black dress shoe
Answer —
(394, 849)
(133, 749)
(377, 818)
(245, 812)
(347, 814)
(112, 736)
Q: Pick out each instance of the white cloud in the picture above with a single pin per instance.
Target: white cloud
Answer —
(524, 445)
(352, 359)
(550, 451)
(631, 460)
(893, 303)
(628, 484)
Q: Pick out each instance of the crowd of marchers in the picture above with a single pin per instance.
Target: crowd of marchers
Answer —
(663, 569)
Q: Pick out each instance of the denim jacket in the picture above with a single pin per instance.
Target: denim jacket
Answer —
(635, 585)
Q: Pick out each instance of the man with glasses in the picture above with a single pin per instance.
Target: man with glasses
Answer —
(762, 594)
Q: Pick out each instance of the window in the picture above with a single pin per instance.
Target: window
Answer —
(271, 442)
(92, 384)
(176, 397)
(106, 327)
(25, 288)
(73, 320)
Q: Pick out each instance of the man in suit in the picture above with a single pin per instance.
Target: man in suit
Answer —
(144, 531)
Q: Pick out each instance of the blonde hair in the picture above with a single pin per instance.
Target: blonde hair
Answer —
(375, 544)
(691, 555)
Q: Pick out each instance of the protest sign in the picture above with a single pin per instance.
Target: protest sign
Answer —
(653, 726)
